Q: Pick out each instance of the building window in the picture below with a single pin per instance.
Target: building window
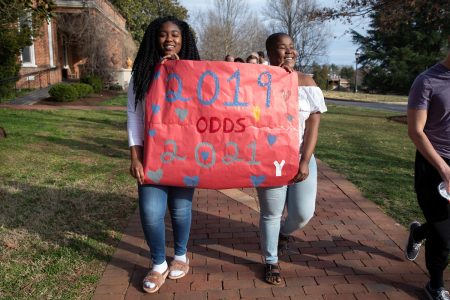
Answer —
(27, 53)
(28, 59)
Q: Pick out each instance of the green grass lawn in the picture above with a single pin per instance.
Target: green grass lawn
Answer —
(120, 100)
(65, 196)
(375, 154)
(365, 97)
(65, 192)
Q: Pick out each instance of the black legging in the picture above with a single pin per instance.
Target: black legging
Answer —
(437, 213)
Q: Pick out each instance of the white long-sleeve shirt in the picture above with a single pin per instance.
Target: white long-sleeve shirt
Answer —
(135, 121)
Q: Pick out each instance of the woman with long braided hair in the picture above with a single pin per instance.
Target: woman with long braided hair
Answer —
(165, 38)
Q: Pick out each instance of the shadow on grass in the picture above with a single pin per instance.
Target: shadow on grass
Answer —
(98, 145)
(121, 125)
(81, 220)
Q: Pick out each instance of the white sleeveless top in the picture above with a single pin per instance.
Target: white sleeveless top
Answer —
(310, 100)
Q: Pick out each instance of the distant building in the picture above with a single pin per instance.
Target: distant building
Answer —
(53, 58)
(336, 82)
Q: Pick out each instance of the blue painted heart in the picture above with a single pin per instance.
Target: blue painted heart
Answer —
(181, 113)
(155, 108)
(290, 118)
(156, 75)
(271, 139)
(257, 180)
(155, 176)
(191, 180)
(205, 155)
(151, 132)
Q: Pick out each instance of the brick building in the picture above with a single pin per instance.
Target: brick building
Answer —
(40, 66)
(54, 57)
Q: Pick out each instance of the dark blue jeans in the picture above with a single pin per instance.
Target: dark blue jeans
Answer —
(153, 201)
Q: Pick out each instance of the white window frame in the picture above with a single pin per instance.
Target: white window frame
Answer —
(65, 55)
(50, 43)
(32, 62)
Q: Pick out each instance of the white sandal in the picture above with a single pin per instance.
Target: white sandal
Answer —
(156, 278)
(177, 265)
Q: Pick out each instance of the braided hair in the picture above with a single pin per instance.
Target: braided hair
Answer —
(148, 56)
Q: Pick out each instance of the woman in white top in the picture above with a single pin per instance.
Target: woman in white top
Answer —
(300, 196)
(165, 38)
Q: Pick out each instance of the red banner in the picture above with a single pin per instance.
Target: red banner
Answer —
(221, 125)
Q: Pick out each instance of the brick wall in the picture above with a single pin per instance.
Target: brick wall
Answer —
(39, 79)
(112, 13)
(40, 76)
(104, 7)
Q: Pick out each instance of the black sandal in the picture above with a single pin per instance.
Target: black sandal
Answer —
(272, 274)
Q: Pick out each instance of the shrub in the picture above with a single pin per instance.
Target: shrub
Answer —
(116, 87)
(83, 89)
(6, 91)
(94, 81)
(63, 92)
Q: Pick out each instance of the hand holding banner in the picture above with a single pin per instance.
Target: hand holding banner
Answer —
(221, 125)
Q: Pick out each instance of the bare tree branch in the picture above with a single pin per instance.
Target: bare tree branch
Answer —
(394, 11)
(293, 18)
(96, 36)
(229, 28)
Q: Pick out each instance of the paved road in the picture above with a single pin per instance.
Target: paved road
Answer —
(373, 105)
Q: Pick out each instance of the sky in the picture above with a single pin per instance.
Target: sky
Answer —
(341, 50)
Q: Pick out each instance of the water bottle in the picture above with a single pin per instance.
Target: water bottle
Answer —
(443, 192)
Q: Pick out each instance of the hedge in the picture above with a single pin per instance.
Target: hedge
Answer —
(63, 92)
(83, 89)
(94, 81)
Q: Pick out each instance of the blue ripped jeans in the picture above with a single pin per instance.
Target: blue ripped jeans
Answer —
(153, 201)
(300, 201)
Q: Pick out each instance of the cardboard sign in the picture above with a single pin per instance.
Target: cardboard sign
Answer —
(221, 125)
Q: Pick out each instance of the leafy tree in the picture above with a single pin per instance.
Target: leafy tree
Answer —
(334, 69)
(393, 58)
(347, 72)
(14, 10)
(140, 13)
(406, 37)
(320, 75)
(20, 22)
(394, 12)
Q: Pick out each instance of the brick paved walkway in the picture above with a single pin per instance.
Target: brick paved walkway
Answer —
(349, 250)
